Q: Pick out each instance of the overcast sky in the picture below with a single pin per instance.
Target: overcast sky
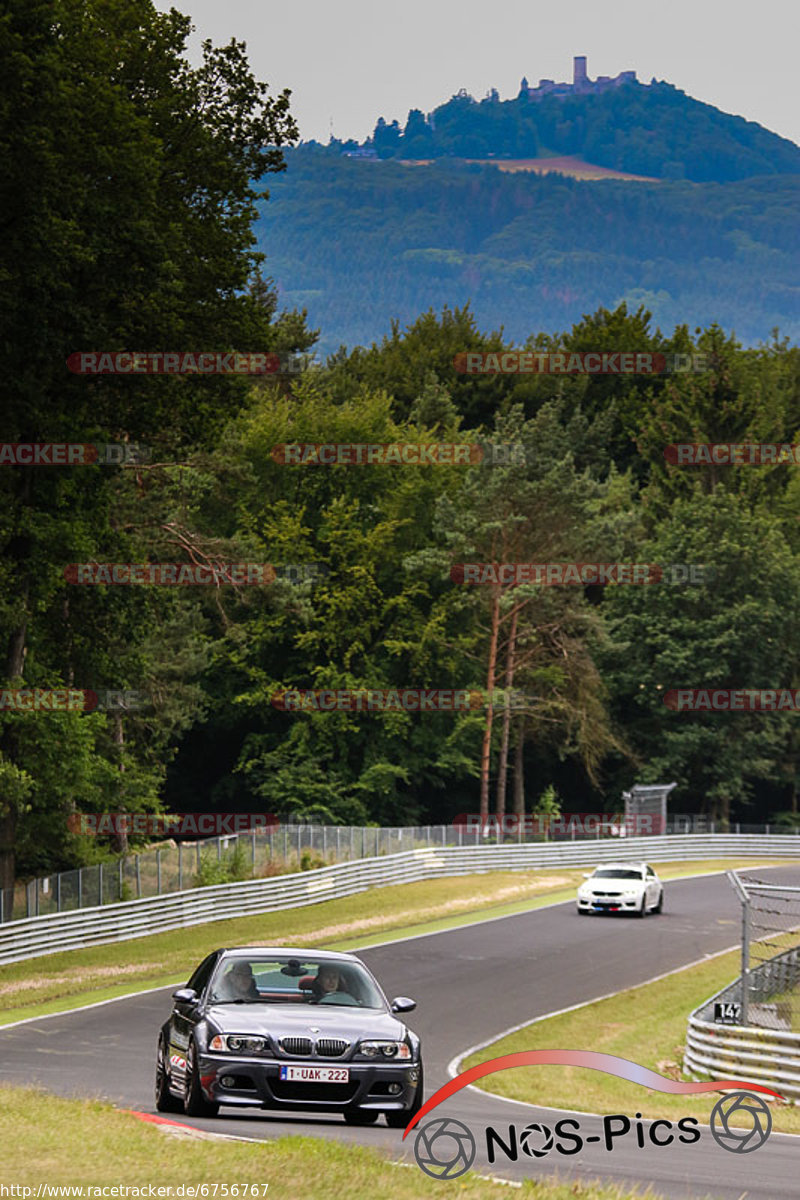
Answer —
(350, 61)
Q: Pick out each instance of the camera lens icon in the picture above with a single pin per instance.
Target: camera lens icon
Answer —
(444, 1148)
(755, 1118)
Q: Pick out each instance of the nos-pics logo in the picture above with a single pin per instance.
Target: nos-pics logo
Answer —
(446, 1148)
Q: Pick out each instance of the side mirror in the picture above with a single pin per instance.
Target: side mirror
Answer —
(185, 995)
(585, 876)
(402, 1004)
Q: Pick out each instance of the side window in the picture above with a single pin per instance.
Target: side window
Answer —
(202, 974)
(650, 873)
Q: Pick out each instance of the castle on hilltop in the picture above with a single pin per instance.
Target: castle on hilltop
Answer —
(581, 84)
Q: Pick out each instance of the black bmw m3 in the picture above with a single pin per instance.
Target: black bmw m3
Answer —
(287, 1030)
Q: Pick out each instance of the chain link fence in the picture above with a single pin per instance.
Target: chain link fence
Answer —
(769, 988)
(173, 867)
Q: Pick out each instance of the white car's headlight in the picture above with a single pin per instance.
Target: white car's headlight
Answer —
(394, 1050)
(631, 893)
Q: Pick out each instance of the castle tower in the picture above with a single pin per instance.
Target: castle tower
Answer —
(579, 70)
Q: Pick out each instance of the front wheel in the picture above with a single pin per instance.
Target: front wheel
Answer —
(165, 1101)
(194, 1102)
(642, 912)
(399, 1120)
(660, 906)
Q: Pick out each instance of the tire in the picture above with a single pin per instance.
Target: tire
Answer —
(642, 912)
(399, 1120)
(659, 908)
(165, 1101)
(194, 1102)
(583, 912)
(361, 1116)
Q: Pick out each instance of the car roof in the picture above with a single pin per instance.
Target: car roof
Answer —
(301, 952)
(620, 866)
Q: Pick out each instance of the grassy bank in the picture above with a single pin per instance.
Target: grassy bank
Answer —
(48, 1140)
(646, 1025)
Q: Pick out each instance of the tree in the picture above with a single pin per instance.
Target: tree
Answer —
(126, 188)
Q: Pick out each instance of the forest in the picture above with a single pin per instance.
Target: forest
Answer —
(157, 253)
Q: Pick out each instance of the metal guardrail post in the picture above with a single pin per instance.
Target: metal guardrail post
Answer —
(158, 872)
(138, 878)
(58, 894)
(80, 887)
(121, 878)
(100, 884)
(180, 866)
(744, 900)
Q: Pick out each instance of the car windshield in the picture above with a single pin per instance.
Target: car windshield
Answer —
(617, 873)
(286, 979)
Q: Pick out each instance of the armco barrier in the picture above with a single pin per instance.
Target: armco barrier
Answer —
(767, 1056)
(35, 936)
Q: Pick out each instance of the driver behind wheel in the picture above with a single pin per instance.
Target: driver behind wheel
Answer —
(328, 980)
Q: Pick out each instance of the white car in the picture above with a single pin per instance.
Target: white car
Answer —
(621, 887)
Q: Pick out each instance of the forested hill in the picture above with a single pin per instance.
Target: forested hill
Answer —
(359, 243)
(644, 129)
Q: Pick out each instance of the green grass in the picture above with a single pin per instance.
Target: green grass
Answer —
(47, 1139)
(58, 982)
(646, 1025)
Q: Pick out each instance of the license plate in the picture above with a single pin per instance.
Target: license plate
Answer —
(316, 1074)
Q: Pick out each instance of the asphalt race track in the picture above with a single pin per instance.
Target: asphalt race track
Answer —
(470, 984)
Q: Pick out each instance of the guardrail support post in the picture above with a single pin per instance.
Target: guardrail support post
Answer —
(158, 871)
(180, 866)
(100, 883)
(58, 895)
(120, 877)
(253, 840)
(80, 887)
(138, 878)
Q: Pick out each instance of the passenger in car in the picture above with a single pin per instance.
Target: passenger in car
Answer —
(238, 983)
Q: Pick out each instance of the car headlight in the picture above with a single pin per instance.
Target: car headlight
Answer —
(235, 1043)
(631, 893)
(394, 1050)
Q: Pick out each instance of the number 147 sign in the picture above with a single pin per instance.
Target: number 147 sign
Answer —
(727, 1013)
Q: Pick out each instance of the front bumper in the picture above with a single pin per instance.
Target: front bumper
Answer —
(610, 904)
(244, 1081)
